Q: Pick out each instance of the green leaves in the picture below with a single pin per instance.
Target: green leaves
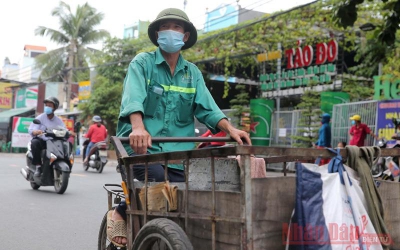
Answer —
(77, 28)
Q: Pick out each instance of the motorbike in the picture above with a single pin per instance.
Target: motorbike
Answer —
(386, 168)
(98, 156)
(57, 161)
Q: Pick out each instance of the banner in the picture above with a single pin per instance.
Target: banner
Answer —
(328, 99)
(20, 135)
(27, 97)
(69, 123)
(260, 115)
(6, 95)
(387, 110)
(84, 90)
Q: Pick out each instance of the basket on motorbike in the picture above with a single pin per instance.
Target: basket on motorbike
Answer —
(219, 206)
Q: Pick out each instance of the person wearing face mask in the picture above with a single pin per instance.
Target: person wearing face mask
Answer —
(359, 131)
(47, 120)
(97, 133)
(162, 94)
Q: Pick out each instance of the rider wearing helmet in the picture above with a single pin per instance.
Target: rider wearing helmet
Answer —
(97, 133)
(47, 120)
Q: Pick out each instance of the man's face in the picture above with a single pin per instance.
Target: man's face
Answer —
(49, 104)
(175, 25)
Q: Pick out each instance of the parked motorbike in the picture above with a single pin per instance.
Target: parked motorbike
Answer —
(57, 161)
(98, 156)
(385, 168)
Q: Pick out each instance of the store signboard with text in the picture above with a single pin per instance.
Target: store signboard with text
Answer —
(302, 66)
(27, 97)
(6, 95)
(387, 110)
(20, 135)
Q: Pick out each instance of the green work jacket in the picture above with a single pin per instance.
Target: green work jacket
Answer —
(168, 103)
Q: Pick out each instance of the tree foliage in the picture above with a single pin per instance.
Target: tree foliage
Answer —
(76, 31)
(347, 12)
(240, 103)
(309, 121)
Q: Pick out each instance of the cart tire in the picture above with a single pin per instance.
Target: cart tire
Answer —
(35, 186)
(103, 243)
(165, 233)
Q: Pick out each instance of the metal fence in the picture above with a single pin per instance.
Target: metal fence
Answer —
(340, 124)
(341, 120)
(288, 126)
(202, 128)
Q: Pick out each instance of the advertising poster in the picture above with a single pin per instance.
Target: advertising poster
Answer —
(20, 136)
(69, 123)
(26, 97)
(84, 91)
(261, 116)
(387, 110)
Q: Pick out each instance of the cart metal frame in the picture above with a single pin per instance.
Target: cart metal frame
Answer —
(270, 155)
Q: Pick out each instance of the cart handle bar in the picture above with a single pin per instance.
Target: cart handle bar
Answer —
(121, 152)
(183, 139)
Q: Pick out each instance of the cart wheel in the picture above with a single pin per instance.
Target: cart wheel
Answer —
(161, 234)
(103, 243)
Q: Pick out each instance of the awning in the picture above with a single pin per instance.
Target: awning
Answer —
(5, 115)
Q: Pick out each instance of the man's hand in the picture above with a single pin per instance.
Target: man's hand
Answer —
(240, 136)
(37, 132)
(140, 140)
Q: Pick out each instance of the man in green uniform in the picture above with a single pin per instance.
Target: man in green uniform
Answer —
(162, 94)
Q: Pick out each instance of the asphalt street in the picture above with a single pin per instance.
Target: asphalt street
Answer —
(44, 220)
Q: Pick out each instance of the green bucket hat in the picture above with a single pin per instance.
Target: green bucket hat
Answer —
(175, 14)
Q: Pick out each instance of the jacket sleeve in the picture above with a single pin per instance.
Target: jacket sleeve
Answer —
(206, 110)
(135, 90)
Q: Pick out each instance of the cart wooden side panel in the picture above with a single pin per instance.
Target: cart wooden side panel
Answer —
(273, 203)
(390, 194)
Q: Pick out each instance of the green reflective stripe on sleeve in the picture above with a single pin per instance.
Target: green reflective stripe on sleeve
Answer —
(179, 89)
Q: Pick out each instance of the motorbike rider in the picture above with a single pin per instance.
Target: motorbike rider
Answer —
(97, 133)
(48, 120)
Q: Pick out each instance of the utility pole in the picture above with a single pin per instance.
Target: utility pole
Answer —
(68, 76)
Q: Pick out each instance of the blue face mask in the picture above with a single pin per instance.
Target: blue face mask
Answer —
(170, 41)
(48, 110)
(353, 122)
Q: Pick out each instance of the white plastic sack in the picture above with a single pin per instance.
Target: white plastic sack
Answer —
(330, 211)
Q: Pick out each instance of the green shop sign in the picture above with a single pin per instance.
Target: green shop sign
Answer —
(298, 77)
(386, 87)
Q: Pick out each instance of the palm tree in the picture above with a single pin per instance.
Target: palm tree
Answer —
(76, 31)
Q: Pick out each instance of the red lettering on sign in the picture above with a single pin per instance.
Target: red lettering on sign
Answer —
(304, 57)
(332, 50)
(298, 60)
(322, 50)
(308, 55)
(289, 55)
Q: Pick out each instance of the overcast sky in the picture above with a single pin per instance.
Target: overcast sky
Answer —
(19, 18)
